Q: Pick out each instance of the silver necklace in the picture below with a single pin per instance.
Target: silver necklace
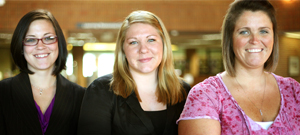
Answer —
(41, 90)
(261, 114)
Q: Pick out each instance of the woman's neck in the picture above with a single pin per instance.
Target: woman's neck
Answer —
(145, 82)
(42, 79)
(250, 78)
(248, 73)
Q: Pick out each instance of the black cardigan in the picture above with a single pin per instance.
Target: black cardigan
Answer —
(19, 116)
(104, 113)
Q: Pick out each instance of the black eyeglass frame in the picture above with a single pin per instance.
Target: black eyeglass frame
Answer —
(38, 39)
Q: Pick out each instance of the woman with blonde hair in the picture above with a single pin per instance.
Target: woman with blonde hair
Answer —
(143, 95)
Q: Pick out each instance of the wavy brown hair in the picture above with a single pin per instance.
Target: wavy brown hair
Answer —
(236, 9)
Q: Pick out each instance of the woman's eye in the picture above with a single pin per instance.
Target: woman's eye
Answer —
(30, 40)
(264, 32)
(244, 32)
(133, 42)
(49, 38)
(151, 40)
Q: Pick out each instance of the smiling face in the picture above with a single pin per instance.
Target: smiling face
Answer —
(41, 56)
(143, 48)
(253, 39)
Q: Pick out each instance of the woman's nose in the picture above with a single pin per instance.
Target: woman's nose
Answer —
(40, 45)
(143, 48)
(254, 39)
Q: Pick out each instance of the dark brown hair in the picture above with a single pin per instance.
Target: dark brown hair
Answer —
(16, 46)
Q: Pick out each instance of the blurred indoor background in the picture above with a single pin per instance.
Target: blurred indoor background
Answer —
(91, 27)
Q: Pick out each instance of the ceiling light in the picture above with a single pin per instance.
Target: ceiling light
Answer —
(293, 35)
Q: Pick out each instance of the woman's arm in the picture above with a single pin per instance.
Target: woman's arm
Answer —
(199, 127)
(2, 123)
(200, 115)
(95, 115)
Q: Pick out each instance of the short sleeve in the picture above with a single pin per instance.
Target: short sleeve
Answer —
(202, 102)
(296, 87)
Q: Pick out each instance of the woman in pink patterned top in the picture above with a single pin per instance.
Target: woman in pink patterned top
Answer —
(247, 98)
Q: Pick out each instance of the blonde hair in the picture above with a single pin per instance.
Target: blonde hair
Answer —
(169, 89)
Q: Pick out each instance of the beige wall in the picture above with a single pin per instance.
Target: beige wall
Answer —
(287, 47)
(181, 15)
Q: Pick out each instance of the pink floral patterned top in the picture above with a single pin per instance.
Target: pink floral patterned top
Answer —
(211, 99)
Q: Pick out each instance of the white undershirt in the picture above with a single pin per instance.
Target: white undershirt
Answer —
(265, 125)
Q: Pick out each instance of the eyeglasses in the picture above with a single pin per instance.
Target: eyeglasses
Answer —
(34, 41)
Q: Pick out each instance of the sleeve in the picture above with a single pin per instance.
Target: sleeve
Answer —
(202, 102)
(2, 123)
(2, 131)
(2, 126)
(296, 89)
(79, 93)
(95, 115)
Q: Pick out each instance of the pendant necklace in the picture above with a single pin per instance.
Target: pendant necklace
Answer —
(41, 90)
(261, 114)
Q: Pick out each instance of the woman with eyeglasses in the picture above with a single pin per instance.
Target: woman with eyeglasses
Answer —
(39, 101)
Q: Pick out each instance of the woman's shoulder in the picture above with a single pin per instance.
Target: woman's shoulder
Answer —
(99, 90)
(210, 85)
(103, 81)
(186, 86)
(285, 82)
(214, 81)
(282, 79)
(101, 85)
(5, 83)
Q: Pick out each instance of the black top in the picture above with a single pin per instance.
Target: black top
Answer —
(104, 113)
(158, 119)
(19, 116)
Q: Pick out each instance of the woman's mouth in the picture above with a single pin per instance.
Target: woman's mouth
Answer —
(145, 60)
(254, 50)
(41, 55)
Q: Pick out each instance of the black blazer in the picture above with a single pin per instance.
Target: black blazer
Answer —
(19, 116)
(104, 113)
